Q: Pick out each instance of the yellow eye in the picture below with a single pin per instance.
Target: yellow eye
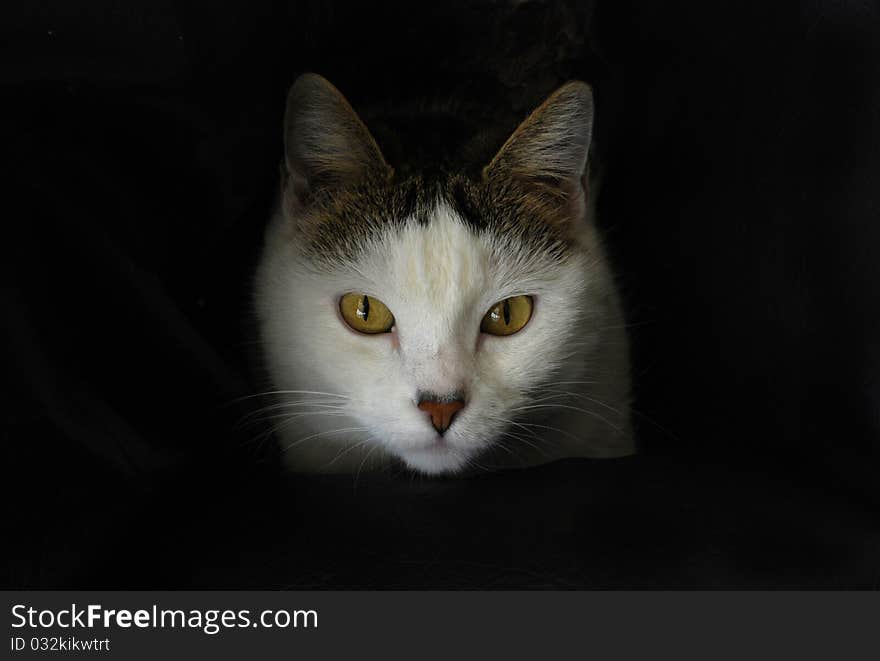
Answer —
(365, 314)
(508, 316)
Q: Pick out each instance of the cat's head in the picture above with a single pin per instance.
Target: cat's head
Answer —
(428, 310)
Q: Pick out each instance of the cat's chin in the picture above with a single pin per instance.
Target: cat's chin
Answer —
(435, 460)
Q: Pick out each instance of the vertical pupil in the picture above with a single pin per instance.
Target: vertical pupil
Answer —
(365, 308)
(506, 311)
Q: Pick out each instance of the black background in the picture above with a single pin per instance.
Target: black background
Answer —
(740, 157)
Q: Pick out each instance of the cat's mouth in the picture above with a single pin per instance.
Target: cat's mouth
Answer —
(436, 457)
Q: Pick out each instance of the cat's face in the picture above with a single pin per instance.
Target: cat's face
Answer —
(439, 281)
(425, 316)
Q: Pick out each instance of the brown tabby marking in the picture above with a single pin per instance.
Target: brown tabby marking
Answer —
(341, 191)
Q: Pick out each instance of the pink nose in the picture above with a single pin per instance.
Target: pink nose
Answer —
(441, 409)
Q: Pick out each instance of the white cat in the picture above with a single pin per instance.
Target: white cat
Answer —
(449, 322)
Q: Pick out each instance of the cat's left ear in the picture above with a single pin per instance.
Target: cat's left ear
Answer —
(326, 145)
(548, 152)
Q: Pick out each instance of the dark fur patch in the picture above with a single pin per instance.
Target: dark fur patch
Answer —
(517, 196)
(335, 225)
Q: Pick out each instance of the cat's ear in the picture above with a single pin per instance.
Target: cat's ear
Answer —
(548, 151)
(326, 144)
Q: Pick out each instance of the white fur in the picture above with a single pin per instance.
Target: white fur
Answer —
(439, 280)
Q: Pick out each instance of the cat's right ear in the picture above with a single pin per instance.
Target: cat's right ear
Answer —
(548, 152)
(326, 145)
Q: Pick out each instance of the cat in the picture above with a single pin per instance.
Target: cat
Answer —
(448, 319)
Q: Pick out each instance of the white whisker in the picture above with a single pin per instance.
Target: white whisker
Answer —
(323, 433)
(570, 408)
(269, 393)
